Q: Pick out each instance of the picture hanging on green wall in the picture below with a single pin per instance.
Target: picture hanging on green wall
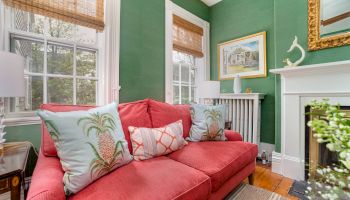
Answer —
(244, 56)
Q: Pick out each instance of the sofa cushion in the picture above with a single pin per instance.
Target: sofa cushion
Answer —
(152, 142)
(163, 114)
(131, 114)
(47, 145)
(208, 123)
(219, 160)
(158, 178)
(134, 114)
(89, 143)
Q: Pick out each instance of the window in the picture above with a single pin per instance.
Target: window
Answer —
(184, 78)
(187, 55)
(61, 61)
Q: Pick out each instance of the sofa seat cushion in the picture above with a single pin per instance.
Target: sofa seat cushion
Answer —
(157, 178)
(219, 160)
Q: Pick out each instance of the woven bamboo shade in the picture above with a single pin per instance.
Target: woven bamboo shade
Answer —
(187, 37)
(88, 13)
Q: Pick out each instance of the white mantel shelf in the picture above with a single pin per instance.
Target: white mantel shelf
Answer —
(312, 69)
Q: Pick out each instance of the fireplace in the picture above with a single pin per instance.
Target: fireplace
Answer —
(317, 154)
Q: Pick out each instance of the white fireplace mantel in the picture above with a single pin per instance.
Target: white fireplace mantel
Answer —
(299, 86)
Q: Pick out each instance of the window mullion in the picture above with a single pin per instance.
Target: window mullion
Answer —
(190, 83)
(45, 81)
(75, 75)
(180, 83)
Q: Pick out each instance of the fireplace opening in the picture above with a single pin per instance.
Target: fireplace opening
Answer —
(317, 154)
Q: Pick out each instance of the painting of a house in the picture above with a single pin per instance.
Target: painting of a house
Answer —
(240, 57)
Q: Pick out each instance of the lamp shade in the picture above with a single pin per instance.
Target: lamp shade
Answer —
(12, 82)
(209, 90)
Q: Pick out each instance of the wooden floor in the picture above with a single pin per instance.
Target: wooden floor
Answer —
(265, 178)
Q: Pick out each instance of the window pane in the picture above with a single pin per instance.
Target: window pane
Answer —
(35, 92)
(86, 63)
(176, 72)
(185, 96)
(30, 22)
(21, 20)
(36, 23)
(185, 76)
(176, 95)
(33, 99)
(86, 91)
(86, 35)
(60, 29)
(192, 95)
(60, 90)
(33, 51)
(59, 59)
(193, 76)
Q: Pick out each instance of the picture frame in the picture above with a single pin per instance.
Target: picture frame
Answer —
(244, 56)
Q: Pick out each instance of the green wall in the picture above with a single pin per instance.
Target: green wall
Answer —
(234, 19)
(290, 20)
(142, 51)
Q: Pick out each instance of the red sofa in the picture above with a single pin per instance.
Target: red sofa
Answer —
(202, 170)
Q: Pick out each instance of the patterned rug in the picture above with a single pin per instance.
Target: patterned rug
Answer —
(249, 192)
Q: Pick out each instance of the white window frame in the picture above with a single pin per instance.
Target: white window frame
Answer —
(203, 64)
(107, 73)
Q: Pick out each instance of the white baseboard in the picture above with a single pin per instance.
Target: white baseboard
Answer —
(288, 166)
(276, 162)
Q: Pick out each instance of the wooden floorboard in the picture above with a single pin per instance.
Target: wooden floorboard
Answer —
(266, 179)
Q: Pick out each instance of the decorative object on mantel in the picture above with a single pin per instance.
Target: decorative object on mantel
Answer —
(295, 44)
(244, 56)
(237, 85)
(208, 90)
(248, 90)
(11, 83)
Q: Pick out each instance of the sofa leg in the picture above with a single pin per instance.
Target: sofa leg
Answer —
(251, 179)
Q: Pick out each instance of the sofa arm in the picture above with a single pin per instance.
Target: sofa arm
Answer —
(233, 136)
(46, 183)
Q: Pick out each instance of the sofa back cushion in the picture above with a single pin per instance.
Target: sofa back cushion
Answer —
(134, 114)
(163, 114)
(131, 114)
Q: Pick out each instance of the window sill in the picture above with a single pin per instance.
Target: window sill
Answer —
(22, 121)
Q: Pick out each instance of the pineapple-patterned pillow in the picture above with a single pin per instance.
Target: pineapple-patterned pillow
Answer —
(208, 123)
(151, 142)
(89, 144)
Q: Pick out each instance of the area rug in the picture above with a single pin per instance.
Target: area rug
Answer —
(249, 192)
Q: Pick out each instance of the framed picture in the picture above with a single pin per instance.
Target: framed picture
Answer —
(244, 56)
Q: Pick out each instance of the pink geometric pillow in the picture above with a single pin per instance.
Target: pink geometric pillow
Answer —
(151, 142)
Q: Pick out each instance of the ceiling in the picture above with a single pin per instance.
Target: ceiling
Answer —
(211, 2)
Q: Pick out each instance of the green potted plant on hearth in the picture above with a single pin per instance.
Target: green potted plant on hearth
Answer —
(332, 128)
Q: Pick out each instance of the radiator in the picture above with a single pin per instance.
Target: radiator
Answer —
(243, 111)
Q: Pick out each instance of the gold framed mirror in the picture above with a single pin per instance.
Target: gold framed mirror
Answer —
(329, 23)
